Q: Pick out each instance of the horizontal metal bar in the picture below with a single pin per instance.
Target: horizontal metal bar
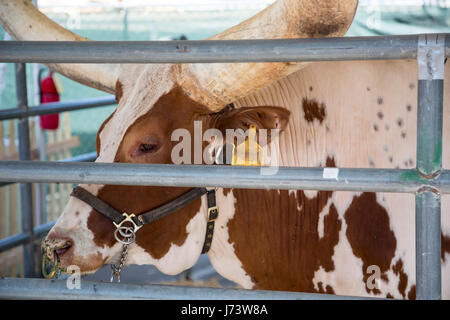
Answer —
(21, 238)
(13, 241)
(85, 157)
(43, 229)
(55, 107)
(213, 51)
(287, 178)
(22, 288)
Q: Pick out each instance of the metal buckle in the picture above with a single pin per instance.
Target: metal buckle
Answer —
(128, 218)
(128, 234)
(211, 219)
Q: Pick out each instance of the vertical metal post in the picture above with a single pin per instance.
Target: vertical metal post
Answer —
(26, 197)
(431, 52)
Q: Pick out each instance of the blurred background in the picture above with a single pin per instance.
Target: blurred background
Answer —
(126, 20)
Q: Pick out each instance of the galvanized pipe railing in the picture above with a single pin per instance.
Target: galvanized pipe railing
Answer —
(26, 195)
(286, 178)
(55, 107)
(85, 157)
(427, 182)
(431, 55)
(213, 51)
(21, 238)
(58, 290)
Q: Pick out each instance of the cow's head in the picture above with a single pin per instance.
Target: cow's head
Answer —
(153, 102)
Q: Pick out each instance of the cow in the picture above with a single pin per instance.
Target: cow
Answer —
(331, 114)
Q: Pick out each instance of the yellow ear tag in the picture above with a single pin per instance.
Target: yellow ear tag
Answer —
(248, 153)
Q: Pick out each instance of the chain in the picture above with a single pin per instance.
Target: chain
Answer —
(128, 237)
(117, 268)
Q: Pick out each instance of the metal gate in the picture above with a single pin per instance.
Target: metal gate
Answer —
(428, 181)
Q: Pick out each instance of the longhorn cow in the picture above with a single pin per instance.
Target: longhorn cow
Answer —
(343, 114)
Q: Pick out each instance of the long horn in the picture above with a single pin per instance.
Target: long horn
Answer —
(23, 21)
(216, 85)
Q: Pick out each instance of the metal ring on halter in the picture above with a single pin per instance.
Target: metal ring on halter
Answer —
(125, 232)
(45, 258)
(128, 238)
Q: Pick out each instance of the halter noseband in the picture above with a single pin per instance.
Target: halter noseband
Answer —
(154, 214)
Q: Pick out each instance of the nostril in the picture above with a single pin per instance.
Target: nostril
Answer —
(63, 248)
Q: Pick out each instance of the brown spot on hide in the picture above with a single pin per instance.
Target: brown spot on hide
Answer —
(403, 134)
(411, 86)
(369, 234)
(280, 247)
(375, 127)
(328, 289)
(226, 191)
(399, 122)
(408, 107)
(389, 296)
(403, 277)
(380, 100)
(330, 163)
(313, 110)
(310, 88)
(412, 293)
(445, 245)
(118, 91)
(380, 115)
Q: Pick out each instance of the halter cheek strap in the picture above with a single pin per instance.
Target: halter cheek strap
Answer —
(213, 213)
(147, 217)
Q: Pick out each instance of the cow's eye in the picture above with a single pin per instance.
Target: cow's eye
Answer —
(147, 147)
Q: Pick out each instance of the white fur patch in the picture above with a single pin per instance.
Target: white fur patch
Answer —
(73, 224)
(221, 254)
(178, 258)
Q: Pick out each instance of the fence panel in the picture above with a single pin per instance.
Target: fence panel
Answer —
(426, 182)
(59, 145)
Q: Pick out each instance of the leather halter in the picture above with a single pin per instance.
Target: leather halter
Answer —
(119, 218)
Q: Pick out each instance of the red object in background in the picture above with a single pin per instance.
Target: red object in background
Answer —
(49, 93)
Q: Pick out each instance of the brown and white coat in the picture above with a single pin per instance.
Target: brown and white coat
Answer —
(332, 114)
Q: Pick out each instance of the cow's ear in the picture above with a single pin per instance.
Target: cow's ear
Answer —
(264, 117)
